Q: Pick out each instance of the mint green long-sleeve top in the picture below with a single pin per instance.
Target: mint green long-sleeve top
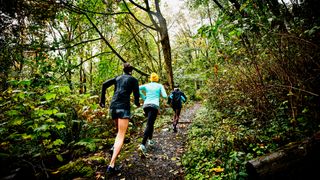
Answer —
(151, 92)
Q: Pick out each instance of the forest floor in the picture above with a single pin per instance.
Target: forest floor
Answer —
(163, 160)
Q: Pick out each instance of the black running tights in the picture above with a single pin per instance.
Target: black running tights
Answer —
(151, 113)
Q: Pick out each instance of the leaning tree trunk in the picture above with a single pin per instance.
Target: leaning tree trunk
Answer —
(160, 25)
(165, 43)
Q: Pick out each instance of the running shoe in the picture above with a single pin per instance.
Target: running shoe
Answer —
(175, 129)
(112, 170)
(151, 142)
(142, 150)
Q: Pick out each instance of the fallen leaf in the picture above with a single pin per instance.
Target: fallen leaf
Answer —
(218, 169)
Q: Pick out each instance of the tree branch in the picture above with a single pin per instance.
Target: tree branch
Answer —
(93, 12)
(219, 5)
(291, 87)
(110, 46)
(80, 11)
(147, 9)
(82, 63)
(135, 18)
(74, 45)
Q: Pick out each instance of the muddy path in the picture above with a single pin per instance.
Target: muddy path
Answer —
(163, 161)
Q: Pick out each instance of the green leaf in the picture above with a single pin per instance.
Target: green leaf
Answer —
(94, 106)
(61, 115)
(45, 134)
(88, 143)
(4, 155)
(25, 82)
(305, 110)
(58, 142)
(239, 32)
(27, 136)
(50, 111)
(12, 112)
(17, 122)
(44, 127)
(49, 96)
(244, 5)
(64, 89)
(59, 157)
(13, 82)
(60, 125)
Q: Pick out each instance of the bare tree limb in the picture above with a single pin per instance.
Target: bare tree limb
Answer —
(74, 45)
(291, 87)
(82, 63)
(147, 9)
(93, 12)
(79, 11)
(219, 5)
(135, 18)
(110, 46)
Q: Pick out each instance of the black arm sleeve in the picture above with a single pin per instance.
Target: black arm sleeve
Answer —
(136, 93)
(169, 98)
(105, 86)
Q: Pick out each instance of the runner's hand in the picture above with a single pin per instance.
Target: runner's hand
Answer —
(102, 105)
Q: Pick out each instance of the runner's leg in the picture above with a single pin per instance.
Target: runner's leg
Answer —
(152, 115)
(178, 111)
(118, 143)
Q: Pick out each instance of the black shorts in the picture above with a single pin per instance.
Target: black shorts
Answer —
(120, 113)
(176, 108)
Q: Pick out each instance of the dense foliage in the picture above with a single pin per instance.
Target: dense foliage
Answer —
(253, 64)
(262, 85)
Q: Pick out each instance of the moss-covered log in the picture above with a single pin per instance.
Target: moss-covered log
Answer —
(297, 160)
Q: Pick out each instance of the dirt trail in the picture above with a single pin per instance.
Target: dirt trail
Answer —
(164, 159)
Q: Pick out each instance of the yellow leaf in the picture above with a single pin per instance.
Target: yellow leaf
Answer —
(218, 169)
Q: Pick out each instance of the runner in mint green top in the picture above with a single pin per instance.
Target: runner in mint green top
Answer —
(153, 91)
(150, 93)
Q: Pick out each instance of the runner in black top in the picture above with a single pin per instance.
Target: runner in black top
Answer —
(175, 99)
(120, 107)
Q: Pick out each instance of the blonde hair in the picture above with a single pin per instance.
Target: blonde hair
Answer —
(154, 77)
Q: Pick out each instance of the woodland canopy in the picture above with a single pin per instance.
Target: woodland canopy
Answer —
(252, 64)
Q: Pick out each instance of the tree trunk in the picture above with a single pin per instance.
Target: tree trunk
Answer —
(90, 74)
(81, 73)
(294, 161)
(166, 48)
(165, 43)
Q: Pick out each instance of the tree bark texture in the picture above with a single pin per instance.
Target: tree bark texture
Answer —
(162, 28)
(160, 25)
(165, 43)
(294, 161)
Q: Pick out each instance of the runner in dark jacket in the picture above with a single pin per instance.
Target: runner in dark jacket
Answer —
(120, 107)
(175, 100)
(124, 86)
